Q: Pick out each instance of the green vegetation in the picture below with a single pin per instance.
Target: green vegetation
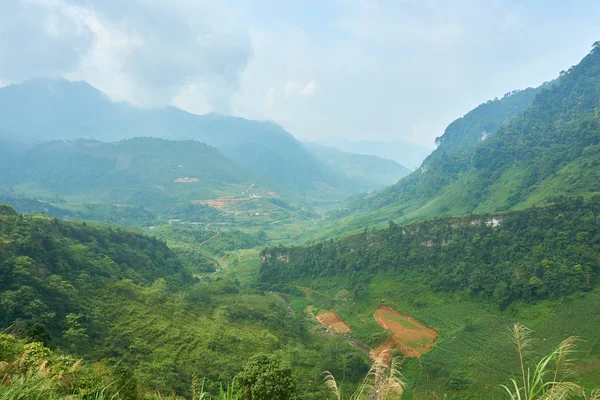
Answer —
(140, 171)
(500, 224)
(382, 382)
(203, 250)
(548, 378)
(468, 278)
(48, 109)
(141, 182)
(50, 267)
(525, 149)
(452, 157)
(121, 298)
(473, 353)
(266, 377)
(531, 254)
(31, 371)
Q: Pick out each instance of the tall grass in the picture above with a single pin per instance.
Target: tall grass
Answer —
(551, 378)
(229, 393)
(383, 382)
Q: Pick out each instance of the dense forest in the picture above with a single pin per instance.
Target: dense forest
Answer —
(50, 267)
(455, 147)
(521, 150)
(526, 255)
(126, 301)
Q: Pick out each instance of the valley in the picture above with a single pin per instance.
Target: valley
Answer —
(153, 253)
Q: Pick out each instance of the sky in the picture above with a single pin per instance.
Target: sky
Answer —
(357, 69)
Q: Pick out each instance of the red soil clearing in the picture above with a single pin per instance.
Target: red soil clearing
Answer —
(332, 320)
(409, 335)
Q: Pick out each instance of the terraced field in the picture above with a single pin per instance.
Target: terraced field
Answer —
(408, 335)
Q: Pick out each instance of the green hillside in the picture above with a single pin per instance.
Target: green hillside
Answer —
(125, 300)
(453, 155)
(470, 278)
(90, 167)
(525, 255)
(48, 265)
(532, 152)
(136, 182)
(510, 208)
(47, 109)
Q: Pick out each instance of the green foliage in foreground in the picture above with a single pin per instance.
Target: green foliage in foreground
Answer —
(50, 268)
(384, 381)
(527, 255)
(549, 378)
(31, 371)
(265, 377)
(121, 298)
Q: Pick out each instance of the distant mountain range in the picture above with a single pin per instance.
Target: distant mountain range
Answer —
(366, 171)
(62, 139)
(44, 109)
(403, 152)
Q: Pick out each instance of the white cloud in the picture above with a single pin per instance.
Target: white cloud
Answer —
(295, 88)
(308, 89)
(193, 98)
(145, 52)
(377, 69)
(40, 37)
(403, 69)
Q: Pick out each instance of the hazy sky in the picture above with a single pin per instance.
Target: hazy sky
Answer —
(358, 69)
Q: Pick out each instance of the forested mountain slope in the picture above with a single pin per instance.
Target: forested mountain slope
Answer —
(538, 152)
(144, 172)
(124, 299)
(44, 109)
(523, 255)
(83, 165)
(51, 268)
(455, 147)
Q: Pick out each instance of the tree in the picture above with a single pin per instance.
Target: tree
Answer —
(266, 377)
(31, 331)
(75, 334)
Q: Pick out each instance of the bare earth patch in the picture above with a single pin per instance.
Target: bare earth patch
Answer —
(331, 319)
(408, 335)
(186, 180)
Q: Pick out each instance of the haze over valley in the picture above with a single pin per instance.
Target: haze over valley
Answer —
(299, 200)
